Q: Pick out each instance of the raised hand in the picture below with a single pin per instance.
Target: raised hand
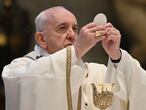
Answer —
(87, 38)
(111, 42)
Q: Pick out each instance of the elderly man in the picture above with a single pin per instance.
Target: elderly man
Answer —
(53, 75)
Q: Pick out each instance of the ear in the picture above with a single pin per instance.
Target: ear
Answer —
(40, 39)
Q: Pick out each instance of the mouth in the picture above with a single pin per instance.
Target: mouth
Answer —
(68, 44)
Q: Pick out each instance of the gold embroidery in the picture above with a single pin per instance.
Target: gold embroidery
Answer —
(79, 99)
(103, 97)
(68, 72)
(68, 86)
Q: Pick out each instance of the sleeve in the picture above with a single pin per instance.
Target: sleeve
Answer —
(52, 64)
(129, 78)
(29, 84)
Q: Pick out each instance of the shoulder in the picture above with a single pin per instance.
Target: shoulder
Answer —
(21, 61)
(16, 66)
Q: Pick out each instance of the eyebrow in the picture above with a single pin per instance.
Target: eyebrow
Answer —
(66, 24)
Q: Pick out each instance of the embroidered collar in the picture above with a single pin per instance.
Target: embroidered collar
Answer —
(40, 51)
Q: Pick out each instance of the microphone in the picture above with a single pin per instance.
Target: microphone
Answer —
(100, 19)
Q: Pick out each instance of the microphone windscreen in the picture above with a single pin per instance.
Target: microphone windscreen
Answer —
(100, 19)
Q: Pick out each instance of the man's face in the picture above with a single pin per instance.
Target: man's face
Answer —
(61, 31)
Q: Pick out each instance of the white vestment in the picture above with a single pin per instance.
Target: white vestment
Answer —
(34, 82)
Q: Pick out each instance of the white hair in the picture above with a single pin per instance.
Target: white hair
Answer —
(42, 19)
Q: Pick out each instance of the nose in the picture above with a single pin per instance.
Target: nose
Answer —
(71, 34)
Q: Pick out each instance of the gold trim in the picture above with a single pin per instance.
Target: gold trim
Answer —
(68, 72)
(68, 85)
(79, 99)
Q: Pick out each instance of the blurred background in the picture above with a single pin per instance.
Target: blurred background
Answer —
(17, 27)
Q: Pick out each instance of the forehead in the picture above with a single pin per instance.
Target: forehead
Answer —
(59, 16)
